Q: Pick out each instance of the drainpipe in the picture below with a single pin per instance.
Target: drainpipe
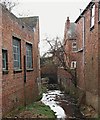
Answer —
(83, 40)
(83, 47)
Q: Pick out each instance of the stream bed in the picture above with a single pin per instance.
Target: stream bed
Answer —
(63, 105)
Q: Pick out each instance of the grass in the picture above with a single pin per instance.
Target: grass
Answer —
(40, 108)
(34, 109)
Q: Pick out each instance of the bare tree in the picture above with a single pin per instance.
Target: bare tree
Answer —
(60, 56)
(9, 4)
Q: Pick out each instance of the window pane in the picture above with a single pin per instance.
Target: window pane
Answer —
(28, 56)
(16, 53)
(93, 10)
(92, 15)
(4, 59)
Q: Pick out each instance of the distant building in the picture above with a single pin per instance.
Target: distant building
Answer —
(70, 44)
(19, 55)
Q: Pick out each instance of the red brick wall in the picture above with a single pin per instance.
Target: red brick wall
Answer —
(15, 92)
(71, 56)
(0, 62)
(88, 73)
(64, 79)
(80, 57)
(49, 69)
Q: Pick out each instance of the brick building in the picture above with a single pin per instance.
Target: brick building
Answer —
(70, 43)
(19, 55)
(88, 65)
(87, 29)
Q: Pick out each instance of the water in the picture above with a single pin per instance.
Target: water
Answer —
(49, 99)
(63, 105)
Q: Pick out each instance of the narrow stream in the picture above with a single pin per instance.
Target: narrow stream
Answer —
(63, 105)
(49, 99)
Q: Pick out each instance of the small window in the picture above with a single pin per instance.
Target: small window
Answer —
(74, 47)
(99, 12)
(29, 56)
(16, 53)
(4, 60)
(92, 16)
(73, 64)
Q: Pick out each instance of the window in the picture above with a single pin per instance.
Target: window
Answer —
(28, 56)
(16, 53)
(73, 64)
(92, 16)
(74, 46)
(99, 12)
(4, 60)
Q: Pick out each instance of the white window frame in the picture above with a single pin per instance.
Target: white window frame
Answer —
(29, 56)
(92, 17)
(16, 53)
(73, 64)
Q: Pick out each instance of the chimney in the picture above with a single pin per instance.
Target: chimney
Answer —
(67, 23)
(67, 26)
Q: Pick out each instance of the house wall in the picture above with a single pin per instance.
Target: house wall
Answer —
(88, 80)
(15, 92)
(36, 51)
(0, 62)
(80, 55)
(71, 55)
(64, 79)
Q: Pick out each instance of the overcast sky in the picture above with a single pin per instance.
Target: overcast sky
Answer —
(52, 15)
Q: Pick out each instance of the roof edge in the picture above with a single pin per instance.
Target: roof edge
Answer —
(84, 11)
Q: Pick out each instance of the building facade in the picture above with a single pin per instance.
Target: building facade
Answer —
(87, 32)
(88, 28)
(70, 45)
(19, 53)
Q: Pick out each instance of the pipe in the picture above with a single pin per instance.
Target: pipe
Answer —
(83, 40)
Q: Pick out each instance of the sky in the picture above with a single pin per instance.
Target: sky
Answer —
(52, 15)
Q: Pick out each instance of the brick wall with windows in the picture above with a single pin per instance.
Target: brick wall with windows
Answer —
(18, 50)
(88, 54)
(70, 44)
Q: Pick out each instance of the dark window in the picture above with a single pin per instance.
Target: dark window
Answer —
(4, 60)
(28, 56)
(16, 53)
(92, 16)
(74, 47)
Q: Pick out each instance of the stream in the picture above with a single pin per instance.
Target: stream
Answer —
(63, 105)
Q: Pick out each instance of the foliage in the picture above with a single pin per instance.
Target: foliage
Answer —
(40, 108)
(59, 56)
(9, 4)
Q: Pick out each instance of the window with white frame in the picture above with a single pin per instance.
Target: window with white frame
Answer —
(74, 46)
(4, 60)
(16, 53)
(28, 56)
(92, 16)
(73, 64)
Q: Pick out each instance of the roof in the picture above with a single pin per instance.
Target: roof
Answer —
(71, 31)
(30, 21)
(88, 6)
